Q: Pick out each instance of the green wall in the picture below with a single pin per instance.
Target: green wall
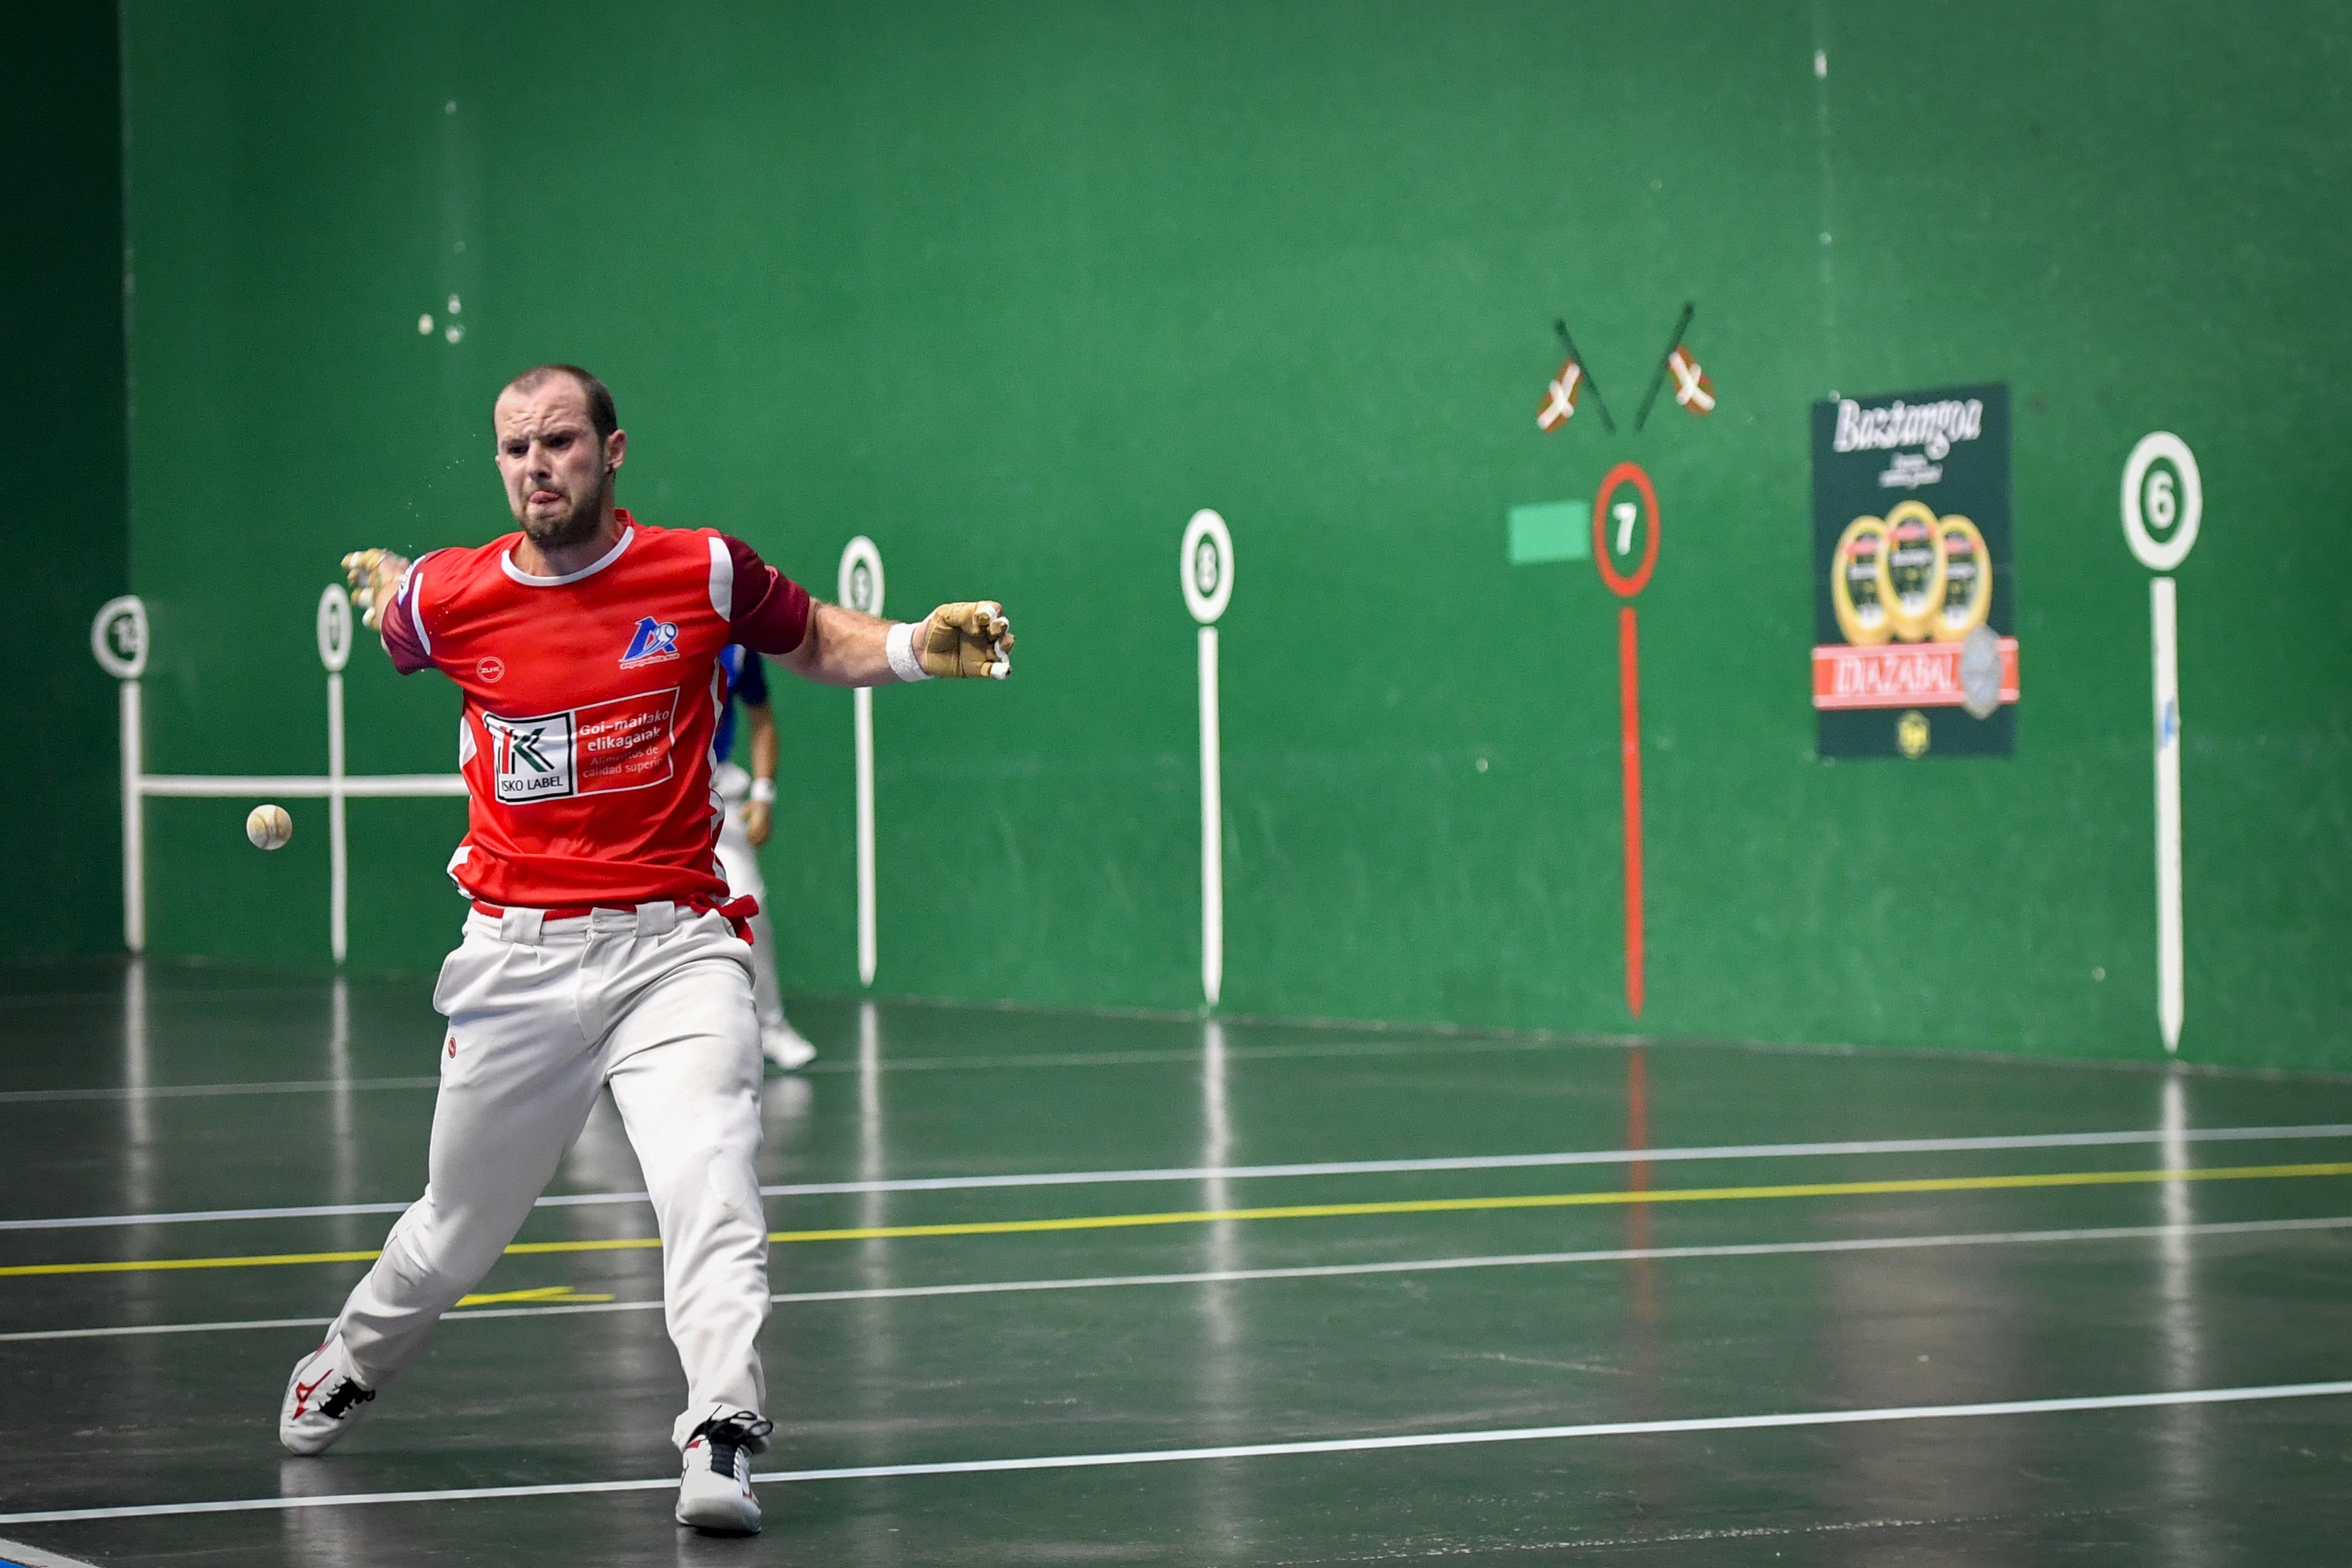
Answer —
(62, 528)
(1015, 288)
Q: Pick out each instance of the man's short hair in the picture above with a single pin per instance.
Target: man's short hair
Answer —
(600, 398)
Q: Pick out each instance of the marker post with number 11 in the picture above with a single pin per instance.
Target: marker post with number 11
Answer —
(2161, 488)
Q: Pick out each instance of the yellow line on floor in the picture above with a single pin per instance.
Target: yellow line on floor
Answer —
(563, 1293)
(1306, 1211)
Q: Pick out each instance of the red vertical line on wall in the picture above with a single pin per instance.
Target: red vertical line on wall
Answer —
(1629, 692)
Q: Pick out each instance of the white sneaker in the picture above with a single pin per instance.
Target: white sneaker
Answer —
(715, 1492)
(322, 1402)
(786, 1046)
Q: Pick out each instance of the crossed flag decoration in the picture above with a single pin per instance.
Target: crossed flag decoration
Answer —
(1559, 397)
(1693, 390)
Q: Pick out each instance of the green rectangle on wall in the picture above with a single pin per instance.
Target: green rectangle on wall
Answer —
(1551, 531)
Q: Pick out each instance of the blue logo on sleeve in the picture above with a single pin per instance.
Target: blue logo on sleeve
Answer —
(653, 642)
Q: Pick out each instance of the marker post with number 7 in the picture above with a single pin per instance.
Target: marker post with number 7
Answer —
(2161, 488)
(1205, 566)
(1614, 525)
(860, 587)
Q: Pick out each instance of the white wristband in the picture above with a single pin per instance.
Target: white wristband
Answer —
(763, 791)
(900, 646)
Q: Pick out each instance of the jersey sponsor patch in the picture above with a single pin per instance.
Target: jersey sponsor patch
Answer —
(653, 642)
(606, 746)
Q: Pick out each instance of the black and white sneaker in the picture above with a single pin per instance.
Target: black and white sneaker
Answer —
(322, 1402)
(714, 1492)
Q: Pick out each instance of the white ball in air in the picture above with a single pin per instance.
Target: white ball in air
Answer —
(269, 826)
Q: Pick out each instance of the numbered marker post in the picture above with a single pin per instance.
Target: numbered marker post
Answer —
(861, 589)
(2163, 504)
(1614, 524)
(117, 637)
(1205, 566)
(334, 629)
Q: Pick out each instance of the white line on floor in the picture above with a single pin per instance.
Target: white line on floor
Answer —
(26, 1556)
(1257, 1450)
(1190, 1056)
(1305, 1271)
(206, 1090)
(1326, 1168)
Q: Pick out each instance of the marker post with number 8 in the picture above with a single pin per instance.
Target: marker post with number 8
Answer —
(1205, 566)
(860, 587)
(2162, 495)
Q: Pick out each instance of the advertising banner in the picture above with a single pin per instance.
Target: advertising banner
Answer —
(1915, 591)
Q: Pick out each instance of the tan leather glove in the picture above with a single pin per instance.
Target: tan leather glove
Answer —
(374, 575)
(963, 640)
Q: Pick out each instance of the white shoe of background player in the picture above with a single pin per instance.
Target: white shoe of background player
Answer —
(323, 1401)
(785, 1046)
(715, 1492)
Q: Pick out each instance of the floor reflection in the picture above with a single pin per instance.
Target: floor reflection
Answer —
(1219, 1375)
(2184, 1436)
(138, 1112)
(873, 1328)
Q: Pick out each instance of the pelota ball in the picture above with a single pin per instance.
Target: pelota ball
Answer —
(269, 826)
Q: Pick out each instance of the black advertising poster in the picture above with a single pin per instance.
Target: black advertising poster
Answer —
(1915, 587)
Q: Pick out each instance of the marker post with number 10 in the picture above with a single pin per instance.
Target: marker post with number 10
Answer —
(2161, 488)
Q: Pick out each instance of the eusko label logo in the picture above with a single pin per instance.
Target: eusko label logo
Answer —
(653, 642)
(531, 758)
(624, 743)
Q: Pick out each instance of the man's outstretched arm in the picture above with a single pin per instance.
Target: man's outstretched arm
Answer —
(844, 646)
(837, 645)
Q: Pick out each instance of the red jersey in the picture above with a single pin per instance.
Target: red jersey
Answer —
(591, 701)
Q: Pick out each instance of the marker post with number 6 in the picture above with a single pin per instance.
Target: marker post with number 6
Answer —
(2163, 504)
(861, 590)
(1614, 525)
(1205, 566)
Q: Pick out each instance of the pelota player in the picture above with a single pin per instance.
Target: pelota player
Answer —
(603, 948)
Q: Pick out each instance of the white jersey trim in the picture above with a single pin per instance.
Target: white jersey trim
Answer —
(528, 580)
(722, 580)
(412, 592)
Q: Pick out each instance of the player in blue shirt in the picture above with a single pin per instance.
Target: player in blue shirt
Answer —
(751, 798)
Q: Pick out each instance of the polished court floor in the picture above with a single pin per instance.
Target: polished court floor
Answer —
(1078, 1289)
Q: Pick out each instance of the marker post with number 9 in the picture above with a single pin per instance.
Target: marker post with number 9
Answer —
(2163, 505)
(860, 588)
(1205, 567)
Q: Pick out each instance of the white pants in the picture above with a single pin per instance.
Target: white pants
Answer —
(741, 864)
(655, 1002)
